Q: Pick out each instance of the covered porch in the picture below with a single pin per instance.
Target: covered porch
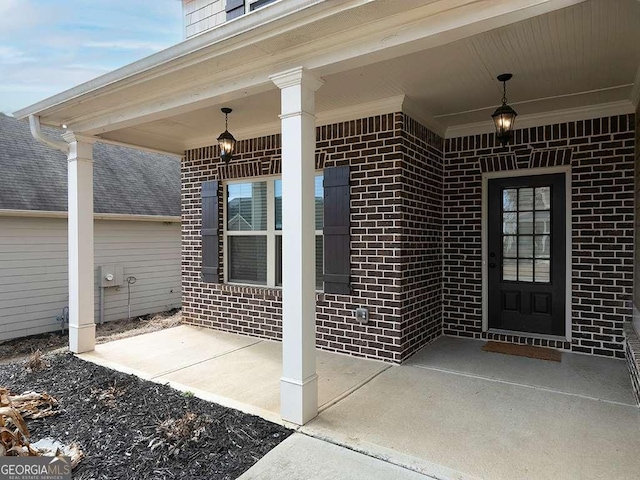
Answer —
(451, 411)
(396, 103)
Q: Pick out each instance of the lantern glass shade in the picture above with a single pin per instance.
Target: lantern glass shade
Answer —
(227, 146)
(504, 117)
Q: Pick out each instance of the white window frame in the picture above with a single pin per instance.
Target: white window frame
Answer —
(270, 232)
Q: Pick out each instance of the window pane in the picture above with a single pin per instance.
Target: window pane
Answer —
(543, 198)
(510, 200)
(248, 259)
(319, 202)
(525, 246)
(247, 206)
(278, 194)
(279, 260)
(525, 270)
(319, 262)
(543, 267)
(525, 223)
(510, 269)
(509, 223)
(509, 246)
(525, 199)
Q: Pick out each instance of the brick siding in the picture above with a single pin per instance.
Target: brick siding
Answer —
(601, 155)
(395, 250)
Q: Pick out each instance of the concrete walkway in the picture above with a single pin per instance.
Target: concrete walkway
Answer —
(231, 370)
(452, 412)
(301, 457)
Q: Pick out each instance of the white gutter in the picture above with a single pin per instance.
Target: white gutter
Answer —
(36, 132)
(96, 216)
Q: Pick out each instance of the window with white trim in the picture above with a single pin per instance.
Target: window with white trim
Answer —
(253, 231)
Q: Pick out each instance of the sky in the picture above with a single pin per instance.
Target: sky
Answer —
(48, 46)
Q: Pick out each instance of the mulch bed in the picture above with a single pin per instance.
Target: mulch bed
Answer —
(127, 426)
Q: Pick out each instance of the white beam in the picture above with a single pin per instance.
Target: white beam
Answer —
(299, 382)
(82, 328)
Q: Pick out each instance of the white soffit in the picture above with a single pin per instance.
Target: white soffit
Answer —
(581, 60)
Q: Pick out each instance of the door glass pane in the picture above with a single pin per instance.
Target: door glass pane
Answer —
(510, 246)
(510, 199)
(543, 222)
(510, 269)
(510, 223)
(525, 270)
(248, 259)
(543, 198)
(543, 268)
(543, 246)
(247, 206)
(525, 246)
(525, 199)
(525, 223)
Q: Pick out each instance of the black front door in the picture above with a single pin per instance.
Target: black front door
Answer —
(527, 254)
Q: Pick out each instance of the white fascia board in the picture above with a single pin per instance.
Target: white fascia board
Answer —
(547, 118)
(248, 26)
(96, 216)
(434, 24)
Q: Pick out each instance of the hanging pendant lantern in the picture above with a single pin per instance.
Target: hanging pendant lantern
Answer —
(225, 140)
(504, 117)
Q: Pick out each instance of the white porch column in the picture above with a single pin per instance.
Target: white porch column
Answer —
(82, 328)
(299, 382)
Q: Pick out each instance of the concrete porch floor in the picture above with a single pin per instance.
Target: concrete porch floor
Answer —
(452, 411)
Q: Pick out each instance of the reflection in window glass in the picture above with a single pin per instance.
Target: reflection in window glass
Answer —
(543, 198)
(525, 223)
(525, 270)
(543, 269)
(319, 207)
(510, 199)
(247, 206)
(526, 234)
(525, 199)
(510, 269)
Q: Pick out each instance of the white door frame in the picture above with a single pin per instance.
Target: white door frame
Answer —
(526, 172)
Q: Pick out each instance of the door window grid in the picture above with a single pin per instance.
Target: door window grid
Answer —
(526, 234)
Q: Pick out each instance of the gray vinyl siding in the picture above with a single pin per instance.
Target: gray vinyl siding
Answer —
(33, 270)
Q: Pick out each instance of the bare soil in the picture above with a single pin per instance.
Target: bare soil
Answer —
(130, 428)
(19, 348)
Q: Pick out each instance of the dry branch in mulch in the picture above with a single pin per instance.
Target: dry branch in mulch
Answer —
(14, 434)
(130, 428)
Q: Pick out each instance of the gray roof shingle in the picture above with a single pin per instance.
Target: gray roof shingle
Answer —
(33, 176)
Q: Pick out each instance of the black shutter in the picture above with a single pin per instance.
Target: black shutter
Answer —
(234, 8)
(337, 248)
(210, 254)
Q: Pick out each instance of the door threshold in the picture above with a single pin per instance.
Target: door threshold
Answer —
(515, 333)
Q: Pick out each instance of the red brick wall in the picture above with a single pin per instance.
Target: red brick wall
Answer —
(391, 159)
(601, 154)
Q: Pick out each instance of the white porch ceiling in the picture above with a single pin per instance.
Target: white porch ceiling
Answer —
(577, 57)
